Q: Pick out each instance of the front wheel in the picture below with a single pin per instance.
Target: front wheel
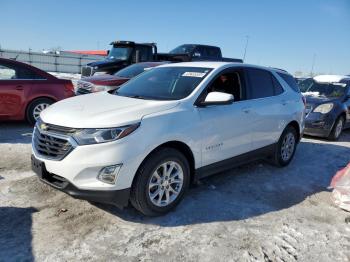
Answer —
(160, 182)
(337, 129)
(286, 147)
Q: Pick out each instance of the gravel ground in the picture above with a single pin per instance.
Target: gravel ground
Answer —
(253, 213)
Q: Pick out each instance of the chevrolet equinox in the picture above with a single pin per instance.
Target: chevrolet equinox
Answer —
(146, 142)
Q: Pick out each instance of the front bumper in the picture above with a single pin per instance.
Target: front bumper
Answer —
(317, 124)
(119, 198)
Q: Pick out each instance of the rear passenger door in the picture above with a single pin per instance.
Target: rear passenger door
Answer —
(14, 88)
(268, 107)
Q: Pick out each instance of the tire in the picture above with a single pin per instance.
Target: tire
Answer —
(144, 197)
(337, 129)
(36, 107)
(283, 155)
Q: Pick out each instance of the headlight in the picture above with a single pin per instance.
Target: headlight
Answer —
(97, 88)
(324, 108)
(102, 135)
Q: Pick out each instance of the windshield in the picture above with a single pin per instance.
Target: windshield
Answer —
(164, 83)
(327, 89)
(131, 71)
(120, 52)
(305, 84)
(182, 49)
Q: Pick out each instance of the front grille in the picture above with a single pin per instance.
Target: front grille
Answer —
(51, 146)
(86, 71)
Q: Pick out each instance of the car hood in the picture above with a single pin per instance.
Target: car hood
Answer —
(106, 80)
(101, 110)
(107, 63)
(314, 99)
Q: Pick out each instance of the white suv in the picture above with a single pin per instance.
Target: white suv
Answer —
(171, 125)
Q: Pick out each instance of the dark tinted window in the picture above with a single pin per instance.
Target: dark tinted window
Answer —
(260, 83)
(24, 73)
(278, 88)
(290, 81)
(145, 53)
(17, 72)
(213, 52)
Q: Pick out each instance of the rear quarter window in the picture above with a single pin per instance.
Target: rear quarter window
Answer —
(260, 82)
(290, 81)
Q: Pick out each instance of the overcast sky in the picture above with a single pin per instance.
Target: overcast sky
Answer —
(284, 34)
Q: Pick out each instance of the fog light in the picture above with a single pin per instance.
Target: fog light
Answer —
(109, 174)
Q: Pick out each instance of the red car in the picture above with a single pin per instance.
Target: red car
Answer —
(107, 82)
(25, 90)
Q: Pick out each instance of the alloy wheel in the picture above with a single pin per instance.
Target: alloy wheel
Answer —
(165, 183)
(288, 146)
(339, 128)
(38, 109)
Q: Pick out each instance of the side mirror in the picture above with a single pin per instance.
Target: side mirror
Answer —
(218, 98)
(107, 52)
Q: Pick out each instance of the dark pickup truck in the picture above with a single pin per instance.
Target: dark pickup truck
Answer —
(125, 53)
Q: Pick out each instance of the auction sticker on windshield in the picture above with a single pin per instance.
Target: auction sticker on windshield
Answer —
(194, 74)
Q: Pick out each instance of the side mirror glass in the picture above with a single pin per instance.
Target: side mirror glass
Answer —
(218, 98)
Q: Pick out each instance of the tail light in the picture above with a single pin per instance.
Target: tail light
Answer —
(69, 87)
(304, 100)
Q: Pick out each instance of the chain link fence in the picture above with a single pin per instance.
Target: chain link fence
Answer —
(60, 62)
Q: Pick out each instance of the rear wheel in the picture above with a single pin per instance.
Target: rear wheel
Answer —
(337, 129)
(160, 182)
(286, 146)
(36, 107)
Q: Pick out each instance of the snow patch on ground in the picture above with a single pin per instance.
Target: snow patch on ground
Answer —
(255, 212)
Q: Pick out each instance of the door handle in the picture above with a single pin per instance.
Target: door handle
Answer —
(246, 109)
(19, 87)
(284, 102)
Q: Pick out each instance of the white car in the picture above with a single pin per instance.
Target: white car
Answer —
(167, 127)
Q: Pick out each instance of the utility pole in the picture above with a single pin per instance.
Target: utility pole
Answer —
(313, 65)
(245, 48)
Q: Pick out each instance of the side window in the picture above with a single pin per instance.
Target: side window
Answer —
(231, 83)
(278, 88)
(24, 73)
(199, 52)
(290, 81)
(213, 52)
(145, 53)
(260, 83)
(7, 73)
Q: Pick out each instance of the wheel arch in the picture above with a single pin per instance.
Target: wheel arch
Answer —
(36, 98)
(181, 147)
(295, 125)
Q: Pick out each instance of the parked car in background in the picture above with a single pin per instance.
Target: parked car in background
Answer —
(106, 82)
(161, 130)
(125, 53)
(327, 106)
(25, 91)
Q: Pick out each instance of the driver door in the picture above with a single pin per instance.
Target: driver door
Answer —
(226, 129)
